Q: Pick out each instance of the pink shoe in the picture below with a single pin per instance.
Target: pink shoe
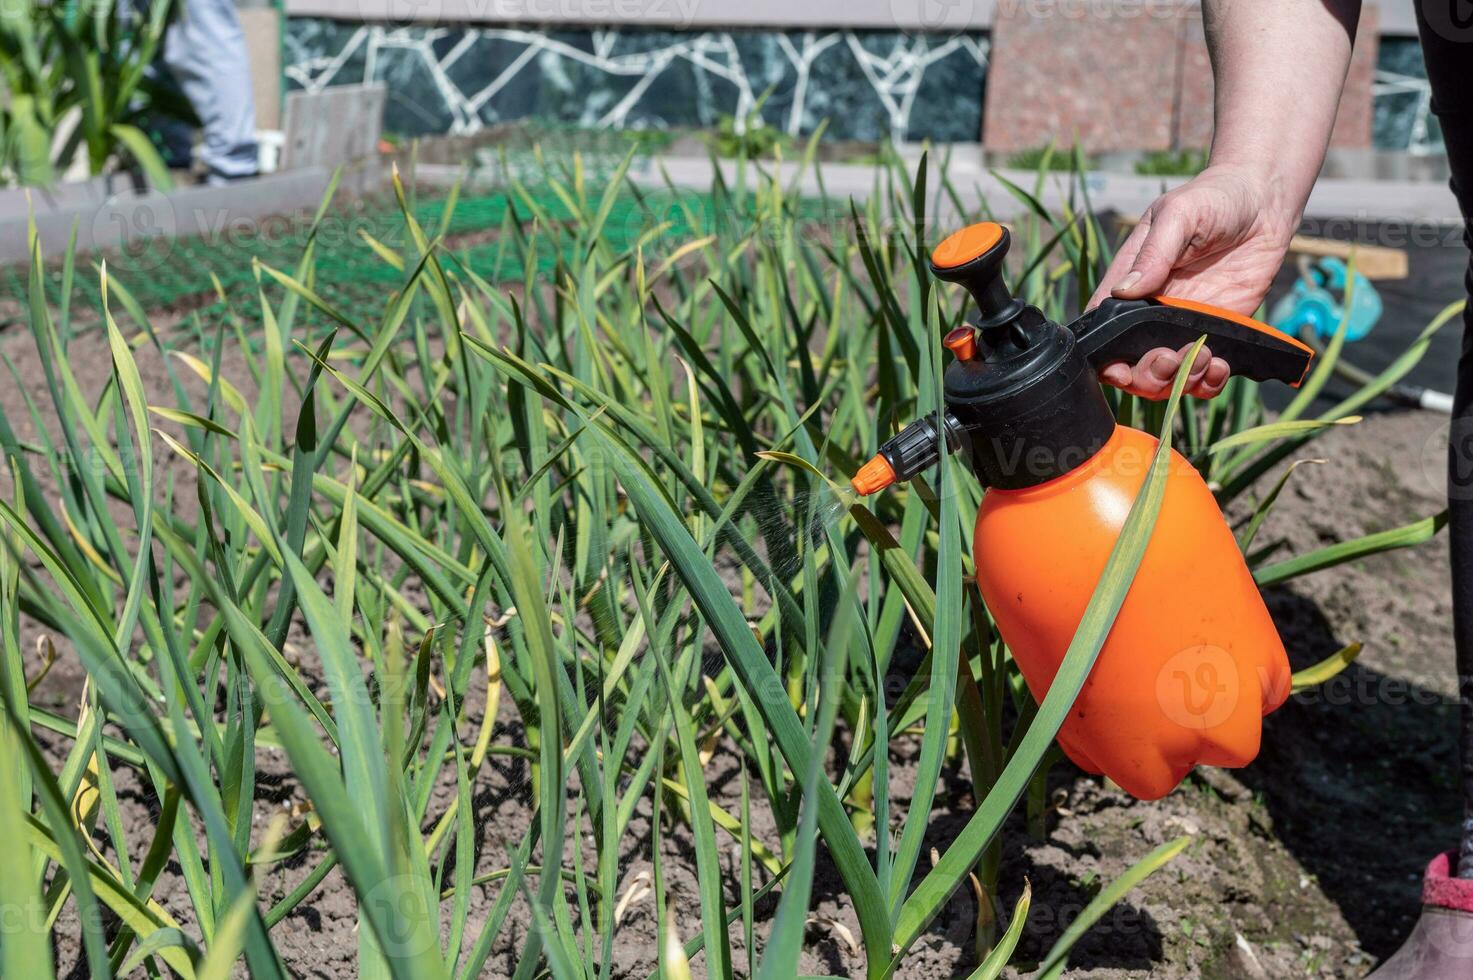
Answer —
(1441, 945)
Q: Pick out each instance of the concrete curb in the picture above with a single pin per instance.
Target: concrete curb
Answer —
(121, 218)
(1334, 200)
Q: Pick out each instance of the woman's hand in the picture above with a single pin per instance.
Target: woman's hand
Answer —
(1219, 239)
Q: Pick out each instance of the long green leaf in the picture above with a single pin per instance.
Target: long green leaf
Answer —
(756, 673)
(991, 968)
(1407, 536)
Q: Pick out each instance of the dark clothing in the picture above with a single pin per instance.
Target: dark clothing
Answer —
(1446, 28)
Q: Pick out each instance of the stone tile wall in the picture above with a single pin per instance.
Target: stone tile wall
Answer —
(869, 84)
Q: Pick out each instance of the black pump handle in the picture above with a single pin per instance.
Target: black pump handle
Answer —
(1124, 330)
(973, 257)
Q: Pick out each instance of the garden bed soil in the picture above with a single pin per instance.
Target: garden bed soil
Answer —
(1306, 863)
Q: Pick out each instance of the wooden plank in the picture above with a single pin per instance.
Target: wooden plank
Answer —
(262, 29)
(1371, 261)
(338, 125)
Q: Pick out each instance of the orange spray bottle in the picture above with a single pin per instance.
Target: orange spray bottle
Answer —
(1192, 662)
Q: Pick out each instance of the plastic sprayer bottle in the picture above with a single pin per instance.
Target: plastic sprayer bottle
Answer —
(1193, 661)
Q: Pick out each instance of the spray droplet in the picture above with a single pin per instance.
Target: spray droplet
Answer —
(826, 514)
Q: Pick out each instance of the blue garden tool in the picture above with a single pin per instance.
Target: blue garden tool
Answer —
(1317, 302)
(1313, 308)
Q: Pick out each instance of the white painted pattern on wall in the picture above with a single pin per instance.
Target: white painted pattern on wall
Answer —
(625, 77)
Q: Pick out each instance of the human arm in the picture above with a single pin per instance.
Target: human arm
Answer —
(1278, 67)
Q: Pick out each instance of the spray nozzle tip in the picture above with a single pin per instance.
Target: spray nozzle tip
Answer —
(873, 476)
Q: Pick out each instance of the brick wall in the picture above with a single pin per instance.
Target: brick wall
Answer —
(1124, 75)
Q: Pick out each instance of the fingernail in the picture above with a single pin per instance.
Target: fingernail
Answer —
(1128, 282)
(1164, 367)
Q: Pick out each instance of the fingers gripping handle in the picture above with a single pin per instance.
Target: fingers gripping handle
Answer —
(1125, 330)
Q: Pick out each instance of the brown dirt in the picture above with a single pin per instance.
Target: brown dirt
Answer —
(1306, 863)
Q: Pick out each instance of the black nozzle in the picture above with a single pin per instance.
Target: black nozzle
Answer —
(917, 447)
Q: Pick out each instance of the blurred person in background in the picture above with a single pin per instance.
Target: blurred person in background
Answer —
(1279, 66)
(204, 52)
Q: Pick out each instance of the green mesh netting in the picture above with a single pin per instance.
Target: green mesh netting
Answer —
(174, 279)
